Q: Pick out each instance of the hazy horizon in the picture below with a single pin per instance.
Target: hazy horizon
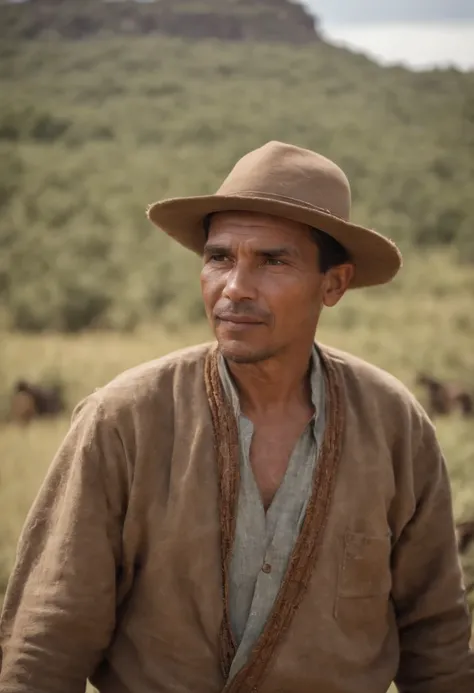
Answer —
(374, 11)
(430, 34)
(411, 44)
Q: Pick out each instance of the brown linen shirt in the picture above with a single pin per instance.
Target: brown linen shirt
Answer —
(122, 571)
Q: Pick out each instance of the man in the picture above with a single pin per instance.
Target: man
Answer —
(266, 515)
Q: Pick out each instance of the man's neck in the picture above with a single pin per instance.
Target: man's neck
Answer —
(273, 385)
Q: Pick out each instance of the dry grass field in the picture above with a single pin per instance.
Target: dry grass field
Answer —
(424, 321)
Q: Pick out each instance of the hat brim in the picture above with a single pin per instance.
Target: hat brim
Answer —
(376, 259)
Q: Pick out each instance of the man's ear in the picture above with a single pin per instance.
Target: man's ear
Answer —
(336, 282)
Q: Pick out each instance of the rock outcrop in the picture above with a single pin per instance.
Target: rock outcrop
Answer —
(233, 20)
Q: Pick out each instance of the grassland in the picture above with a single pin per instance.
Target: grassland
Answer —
(423, 321)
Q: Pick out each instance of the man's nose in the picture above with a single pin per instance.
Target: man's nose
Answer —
(240, 284)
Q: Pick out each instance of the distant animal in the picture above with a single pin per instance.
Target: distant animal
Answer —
(30, 401)
(464, 536)
(445, 398)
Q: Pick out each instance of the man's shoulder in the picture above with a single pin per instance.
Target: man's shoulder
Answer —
(153, 379)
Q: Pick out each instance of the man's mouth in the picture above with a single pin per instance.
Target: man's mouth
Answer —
(238, 319)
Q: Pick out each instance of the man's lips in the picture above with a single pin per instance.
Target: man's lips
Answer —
(238, 319)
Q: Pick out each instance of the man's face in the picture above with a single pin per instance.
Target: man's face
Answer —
(261, 285)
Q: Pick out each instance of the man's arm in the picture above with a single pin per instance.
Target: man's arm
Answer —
(59, 610)
(433, 618)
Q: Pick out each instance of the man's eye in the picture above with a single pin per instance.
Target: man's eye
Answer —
(273, 261)
(218, 258)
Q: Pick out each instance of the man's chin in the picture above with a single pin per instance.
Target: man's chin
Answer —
(241, 352)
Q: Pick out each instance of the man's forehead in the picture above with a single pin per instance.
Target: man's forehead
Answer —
(258, 234)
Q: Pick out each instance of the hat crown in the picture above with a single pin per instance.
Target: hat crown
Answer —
(284, 171)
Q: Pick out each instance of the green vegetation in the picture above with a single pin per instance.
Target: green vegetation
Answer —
(93, 131)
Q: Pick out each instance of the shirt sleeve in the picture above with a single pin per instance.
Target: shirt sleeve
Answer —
(430, 601)
(59, 609)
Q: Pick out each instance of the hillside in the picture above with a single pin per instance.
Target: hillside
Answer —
(92, 131)
(234, 20)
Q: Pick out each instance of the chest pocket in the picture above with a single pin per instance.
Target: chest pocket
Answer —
(364, 570)
(363, 607)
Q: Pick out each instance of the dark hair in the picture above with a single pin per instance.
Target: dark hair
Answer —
(331, 252)
(206, 222)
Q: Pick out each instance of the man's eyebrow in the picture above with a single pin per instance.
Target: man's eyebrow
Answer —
(220, 248)
(216, 249)
(283, 251)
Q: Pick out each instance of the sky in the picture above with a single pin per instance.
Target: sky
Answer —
(342, 11)
(418, 34)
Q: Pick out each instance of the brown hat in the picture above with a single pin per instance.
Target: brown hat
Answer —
(292, 183)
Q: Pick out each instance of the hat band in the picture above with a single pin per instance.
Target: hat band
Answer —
(281, 198)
